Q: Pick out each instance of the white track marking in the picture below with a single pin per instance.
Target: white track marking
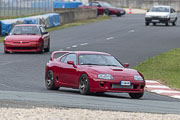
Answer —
(176, 96)
(68, 47)
(4, 85)
(61, 49)
(132, 31)
(8, 63)
(151, 81)
(156, 86)
(84, 44)
(110, 38)
(74, 46)
(164, 91)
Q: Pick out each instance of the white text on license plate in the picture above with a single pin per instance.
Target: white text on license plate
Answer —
(155, 20)
(126, 83)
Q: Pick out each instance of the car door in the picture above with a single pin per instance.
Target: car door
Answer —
(45, 36)
(173, 14)
(68, 71)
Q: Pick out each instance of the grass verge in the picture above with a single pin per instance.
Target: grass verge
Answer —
(77, 23)
(165, 67)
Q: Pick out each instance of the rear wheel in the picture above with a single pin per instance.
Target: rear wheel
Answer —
(136, 95)
(49, 81)
(84, 84)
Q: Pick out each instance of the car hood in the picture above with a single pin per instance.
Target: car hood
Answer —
(115, 71)
(22, 38)
(157, 13)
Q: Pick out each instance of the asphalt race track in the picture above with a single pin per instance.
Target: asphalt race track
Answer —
(127, 38)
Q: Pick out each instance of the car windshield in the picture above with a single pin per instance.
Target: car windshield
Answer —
(159, 9)
(97, 59)
(104, 4)
(21, 30)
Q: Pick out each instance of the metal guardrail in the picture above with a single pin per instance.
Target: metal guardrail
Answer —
(13, 8)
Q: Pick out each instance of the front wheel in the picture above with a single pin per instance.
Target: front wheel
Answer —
(48, 48)
(49, 81)
(136, 95)
(84, 84)
(146, 23)
(107, 12)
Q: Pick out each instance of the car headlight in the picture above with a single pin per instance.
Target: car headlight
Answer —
(165, 16)
(147, 16)
(138, 78)
(105, 76)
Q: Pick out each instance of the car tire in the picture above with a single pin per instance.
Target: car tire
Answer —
(49, 81)
(106, 12)
(118, 14)
(48, 48)
(84, 84)
(146, 23)
(42, 48)
(166, 23)
(174, 23)
(154, 24)
(136, 95)
(6, 52)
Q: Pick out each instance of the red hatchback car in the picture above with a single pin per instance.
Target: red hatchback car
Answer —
(92, 72)
(27, 38)
(104, 8)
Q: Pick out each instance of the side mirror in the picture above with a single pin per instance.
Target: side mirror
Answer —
(126, 65)
(45, 33)
(71, 63)
(148, 10)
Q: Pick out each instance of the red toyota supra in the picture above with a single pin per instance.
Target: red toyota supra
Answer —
(92, 72)
(27, 38)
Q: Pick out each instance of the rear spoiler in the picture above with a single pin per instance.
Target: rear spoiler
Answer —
(56, 52)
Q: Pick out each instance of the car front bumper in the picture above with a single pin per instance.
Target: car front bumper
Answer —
(22, 47)
(114, 86)
(156, 20)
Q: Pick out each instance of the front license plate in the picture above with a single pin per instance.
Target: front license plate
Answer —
(125, 83)
(155, 20)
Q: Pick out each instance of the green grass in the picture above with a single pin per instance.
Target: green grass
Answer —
(1, 39)
(77, 23)
(164, 67)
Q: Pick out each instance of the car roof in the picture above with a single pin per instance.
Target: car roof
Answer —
(28, 25)
(162, 6)
(89, 52)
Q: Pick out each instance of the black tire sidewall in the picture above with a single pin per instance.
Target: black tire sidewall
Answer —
(87, 90)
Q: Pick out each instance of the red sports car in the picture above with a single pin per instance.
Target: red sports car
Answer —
(104, 8)
(27, 38)
(92, 72)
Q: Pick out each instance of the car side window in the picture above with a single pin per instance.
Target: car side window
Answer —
(71, 57)
(172, 11)
(95, 4)
(42, 30)
(63, 58)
